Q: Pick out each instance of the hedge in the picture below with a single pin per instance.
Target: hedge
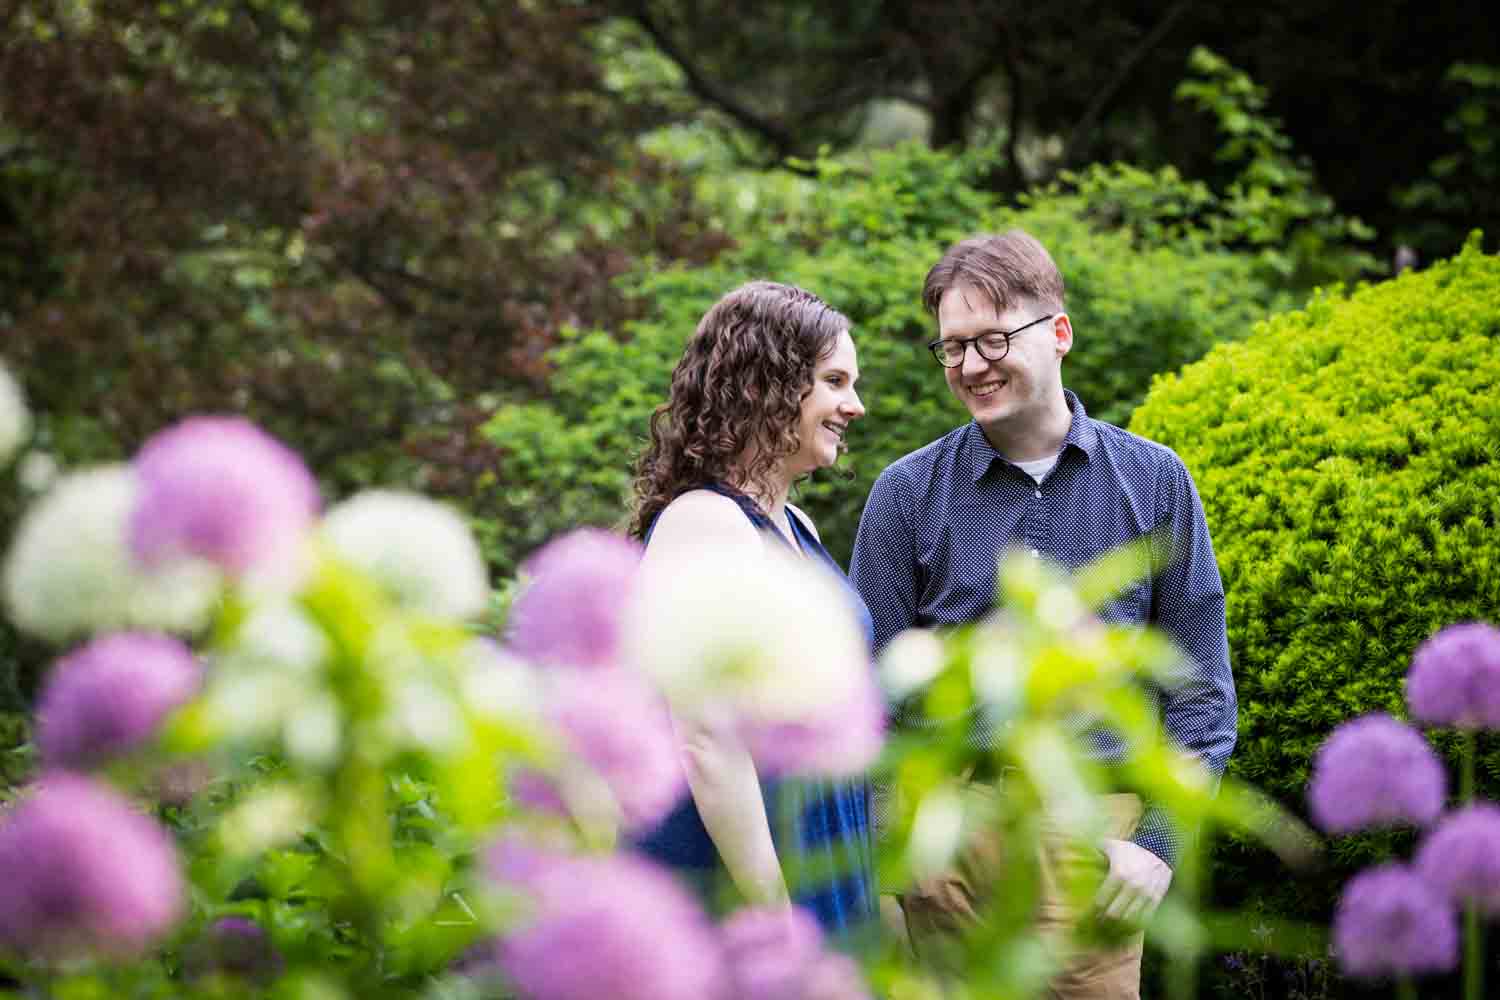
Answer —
(1346, 454)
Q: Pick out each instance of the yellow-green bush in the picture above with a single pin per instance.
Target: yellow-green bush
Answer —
(1348, 459)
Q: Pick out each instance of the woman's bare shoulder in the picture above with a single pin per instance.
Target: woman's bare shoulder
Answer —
(703, 517)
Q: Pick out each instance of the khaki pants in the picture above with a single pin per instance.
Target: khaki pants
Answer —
(950, 902)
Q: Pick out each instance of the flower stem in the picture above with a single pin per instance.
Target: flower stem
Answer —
(1473, 953)
(1466, 774)
(1405, 990)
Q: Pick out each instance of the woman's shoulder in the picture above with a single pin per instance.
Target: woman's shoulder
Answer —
(703, 516)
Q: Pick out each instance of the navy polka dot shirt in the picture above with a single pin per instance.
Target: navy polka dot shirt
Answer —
(937, 519)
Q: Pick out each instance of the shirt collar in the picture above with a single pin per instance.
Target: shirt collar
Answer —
(976, 453)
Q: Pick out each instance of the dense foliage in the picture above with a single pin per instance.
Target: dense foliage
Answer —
(1348, 466)
(1140, 304)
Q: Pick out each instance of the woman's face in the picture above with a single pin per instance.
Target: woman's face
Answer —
(828, 409)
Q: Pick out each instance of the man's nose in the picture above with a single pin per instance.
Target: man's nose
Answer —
(974, 363)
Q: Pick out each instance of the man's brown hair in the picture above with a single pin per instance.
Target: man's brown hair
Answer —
(1009, 269)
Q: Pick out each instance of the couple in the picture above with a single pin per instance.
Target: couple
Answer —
(762, 397)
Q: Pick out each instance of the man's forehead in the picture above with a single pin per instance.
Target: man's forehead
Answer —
(967, 300)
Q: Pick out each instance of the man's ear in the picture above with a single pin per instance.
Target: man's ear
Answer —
(1062, 332)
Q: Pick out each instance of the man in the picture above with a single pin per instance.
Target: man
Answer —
(1033, 470)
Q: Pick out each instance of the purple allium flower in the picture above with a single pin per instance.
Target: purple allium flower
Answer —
(835, 977)
(776, 953)
(1375, 771)
(620, 727)
(109, 697)
(606, 926)
(771, 951)
(1455, 678)
(1461, 856)
(570, 612)
(1389, 922)
(223, 490)
(84, 874)
(842, 740)
(237, 946)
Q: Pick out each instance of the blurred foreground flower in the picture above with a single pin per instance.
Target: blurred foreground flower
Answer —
(841, 740)
(1390, 923)
(778, 954)
(234, 946)
(419, 550)
(571, 610)
(84, 874)
(1455, 678)
(605, 926)
(15, 419)
(109, 697)
(1375, 771)
(69, 571)
(775, 643)
(1461, 856)
(619, 727)
(221, 489)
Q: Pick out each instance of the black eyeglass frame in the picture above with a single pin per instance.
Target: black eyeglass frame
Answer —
(936, 346)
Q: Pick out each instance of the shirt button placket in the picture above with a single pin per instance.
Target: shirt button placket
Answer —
(1036, 524)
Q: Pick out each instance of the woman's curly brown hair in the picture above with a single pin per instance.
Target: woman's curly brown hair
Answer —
(741, 382)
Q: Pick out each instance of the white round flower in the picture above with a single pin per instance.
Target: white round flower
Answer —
(936, 831)
(911, 661)
(776, 637)
(421, 551)
(279, 634)
(69, 570)
(15, 419)
(37, 471)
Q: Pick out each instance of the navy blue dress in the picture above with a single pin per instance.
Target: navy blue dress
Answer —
(819, 826)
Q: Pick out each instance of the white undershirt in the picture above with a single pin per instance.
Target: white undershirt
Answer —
(1038, 469)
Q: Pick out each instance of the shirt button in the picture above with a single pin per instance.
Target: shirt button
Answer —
(1036, 553)
(1038, 494)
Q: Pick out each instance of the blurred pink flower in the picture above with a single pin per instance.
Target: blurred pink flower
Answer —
(569, 613)
(777, 953)
(1375, 771)
(838, 741)
(223, 490)
(1390, 923)
(1461, 856)
(620, 728)
(108, 697)
(605, 926)
(1455, 678)
(85, 874)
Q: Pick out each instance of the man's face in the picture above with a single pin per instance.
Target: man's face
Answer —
(1021, 385)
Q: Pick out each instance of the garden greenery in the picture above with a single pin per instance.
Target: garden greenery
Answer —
(864, 245)
(330, 787)
(1347, 461)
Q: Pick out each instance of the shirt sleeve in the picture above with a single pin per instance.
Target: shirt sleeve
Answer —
(884, 566)
(1199, 712)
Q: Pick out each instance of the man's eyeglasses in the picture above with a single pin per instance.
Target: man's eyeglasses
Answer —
(991, 346)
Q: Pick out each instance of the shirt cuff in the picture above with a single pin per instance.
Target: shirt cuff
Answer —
(1157, 835)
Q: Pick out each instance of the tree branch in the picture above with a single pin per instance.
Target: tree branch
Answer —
(1112, 89)
(772, 131)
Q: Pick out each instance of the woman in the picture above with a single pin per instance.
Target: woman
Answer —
(761, 398)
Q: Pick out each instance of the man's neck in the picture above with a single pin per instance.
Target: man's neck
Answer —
(1030, 436)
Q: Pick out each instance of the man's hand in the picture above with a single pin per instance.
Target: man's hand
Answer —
(1136, 882)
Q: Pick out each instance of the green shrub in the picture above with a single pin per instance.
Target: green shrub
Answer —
(864, 242)
(1347, 458)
